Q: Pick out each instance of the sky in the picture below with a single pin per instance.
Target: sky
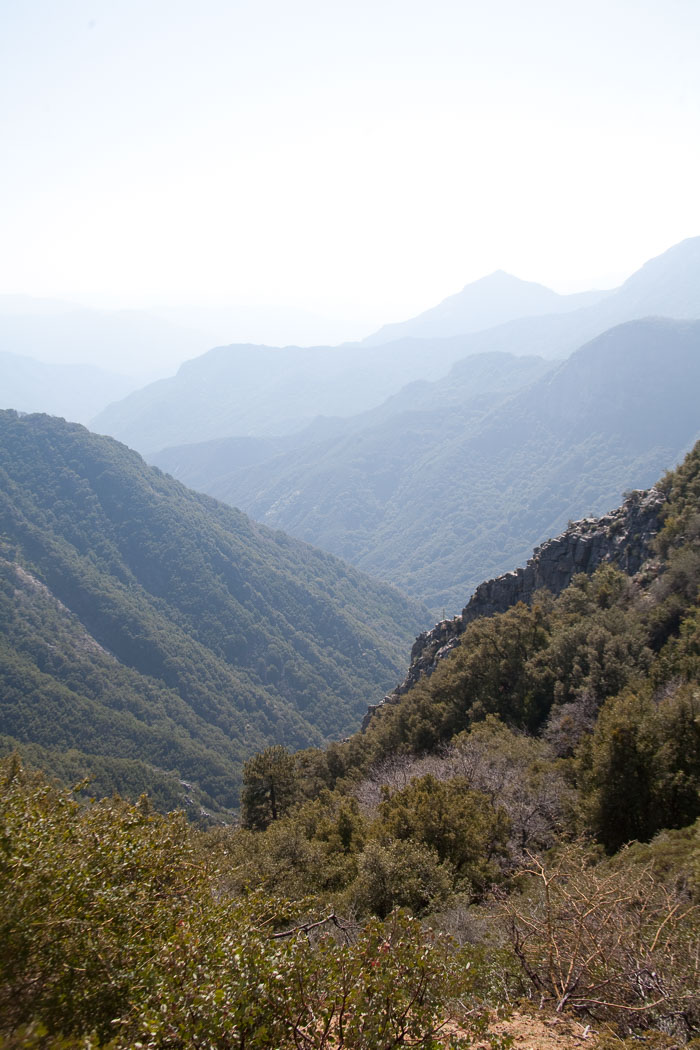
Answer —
(354, 159)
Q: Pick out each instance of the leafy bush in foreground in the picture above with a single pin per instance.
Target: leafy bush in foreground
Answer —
(116, 926)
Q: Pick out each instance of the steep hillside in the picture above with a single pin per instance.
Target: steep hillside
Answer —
(536, 798)
(155, 635)
(623, 538)
(438, 497)
(608, 668)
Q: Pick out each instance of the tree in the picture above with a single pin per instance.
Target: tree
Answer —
(642, 769)
(459, 824)
(270, 787)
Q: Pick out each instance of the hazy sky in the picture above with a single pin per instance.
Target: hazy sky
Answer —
(359, 159)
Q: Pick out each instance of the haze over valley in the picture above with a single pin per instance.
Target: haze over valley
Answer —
(436, 452)
(350, 525)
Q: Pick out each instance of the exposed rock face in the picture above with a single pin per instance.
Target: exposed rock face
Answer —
(621, 538)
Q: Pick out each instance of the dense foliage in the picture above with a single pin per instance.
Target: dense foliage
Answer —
(552, 737)
(151, 636)
(627, 648)
(522, 825)
(118, 929)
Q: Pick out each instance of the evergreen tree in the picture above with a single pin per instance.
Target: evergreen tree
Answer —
(270, 786)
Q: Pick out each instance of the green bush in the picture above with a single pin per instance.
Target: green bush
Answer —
(118, 930)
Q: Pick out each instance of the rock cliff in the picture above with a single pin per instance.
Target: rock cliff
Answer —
(622, 538)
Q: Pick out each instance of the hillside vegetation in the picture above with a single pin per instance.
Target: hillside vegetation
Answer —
(154, 638)
(532, 807)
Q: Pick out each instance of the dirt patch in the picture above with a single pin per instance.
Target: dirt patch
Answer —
(534, 1032)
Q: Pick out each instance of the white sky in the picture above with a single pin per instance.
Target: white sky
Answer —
(358, 158)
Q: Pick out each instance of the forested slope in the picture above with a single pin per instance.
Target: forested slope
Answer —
(532, 807)
(610, 649)
(150, 634)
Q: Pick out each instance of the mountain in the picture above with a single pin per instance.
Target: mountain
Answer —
(532, 808)
(522, 317)
(667, 286)
(625, 538)
(129, 342)
(592, 649)
(445, 492)
(247, 390)
(76, 392)
(155, 638)
(485, 303)
(473, 384)
(265, 391)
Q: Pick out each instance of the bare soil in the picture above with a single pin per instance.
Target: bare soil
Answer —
(536, 1032)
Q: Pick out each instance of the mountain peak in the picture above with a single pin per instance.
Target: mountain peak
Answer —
(489, 301)
(499, 275)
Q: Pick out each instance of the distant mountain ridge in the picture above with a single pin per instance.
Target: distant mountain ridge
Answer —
(438, 496)
(134, 343)
(246, 390)
(668, 285)
(473, 385)
(76, 392)
(485, 303)
(262, 391)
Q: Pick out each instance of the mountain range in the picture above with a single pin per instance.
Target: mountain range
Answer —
(528, 318)
(74, 391)
(519, 822)
(532, 786)
(466, 475)
(247, 390)
(69, 360)
(486, 303)
(135, 343)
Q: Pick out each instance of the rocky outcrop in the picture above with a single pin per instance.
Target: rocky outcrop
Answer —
(622, 538)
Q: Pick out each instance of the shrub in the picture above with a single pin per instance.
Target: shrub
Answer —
(610, 941)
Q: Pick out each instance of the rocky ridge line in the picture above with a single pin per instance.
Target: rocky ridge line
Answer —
(621, 538)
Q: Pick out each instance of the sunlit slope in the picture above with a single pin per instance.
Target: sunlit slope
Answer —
(142, 621)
